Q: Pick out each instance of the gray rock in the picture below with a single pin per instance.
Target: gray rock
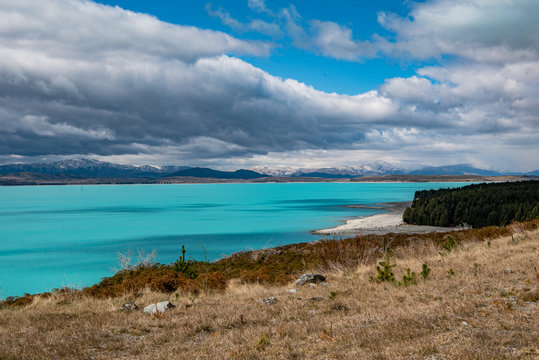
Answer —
(292, 291)
(150, 309)
(310, 279)
(339, 307)
(129, 306)
(270, 301)
(164, 306)
(160, 307)
(316, 298)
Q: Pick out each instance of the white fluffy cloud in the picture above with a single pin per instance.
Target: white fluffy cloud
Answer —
(78, 28)
(334, 40)
(483, 30)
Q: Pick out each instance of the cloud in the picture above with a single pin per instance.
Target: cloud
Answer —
(257, 25)
(71, 28)
(258, 6)
(486, 31)
(334, 40)
(40, 126)
(154, 86)
(82, 79)
(495, 31)
(325, 38)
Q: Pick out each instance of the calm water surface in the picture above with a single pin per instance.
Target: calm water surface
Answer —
(54, 236)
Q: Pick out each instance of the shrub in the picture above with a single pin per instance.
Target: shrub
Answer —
(425, 271)
(384, 268)
(184, 267)
(215, 280)
(263, 342)
(409, 278)
(143, 260)
(449, 243)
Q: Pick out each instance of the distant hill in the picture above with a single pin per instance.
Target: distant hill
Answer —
(92, 169)
(198, 172)
(85, 168)
(439, 178)
(324, 175)
(458, 169)
(381, 169)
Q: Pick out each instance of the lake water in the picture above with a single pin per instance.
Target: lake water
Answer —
(54, 236)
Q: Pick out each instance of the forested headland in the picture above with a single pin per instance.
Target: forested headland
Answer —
(476, 205)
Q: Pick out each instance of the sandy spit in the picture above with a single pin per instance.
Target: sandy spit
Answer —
(380, 224)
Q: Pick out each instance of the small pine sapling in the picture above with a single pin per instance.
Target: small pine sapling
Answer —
(384, 269)
(183, 266)
(409, 278)
(425, 271)
(449, 243)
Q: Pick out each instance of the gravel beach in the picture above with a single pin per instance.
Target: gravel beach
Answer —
(390, 222)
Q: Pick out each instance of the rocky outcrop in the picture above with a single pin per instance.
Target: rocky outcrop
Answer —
(158, 308)
(129, 306)
(270, 301)
(310, 279)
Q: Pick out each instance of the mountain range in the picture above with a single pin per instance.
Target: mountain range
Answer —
(87, 168)
(380, 169)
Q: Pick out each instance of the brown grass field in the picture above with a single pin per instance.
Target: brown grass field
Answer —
(480, 301)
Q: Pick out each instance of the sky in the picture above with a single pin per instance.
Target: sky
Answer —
(278, 84)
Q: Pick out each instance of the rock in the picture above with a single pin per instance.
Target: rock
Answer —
(291, 291)
(160, 307)
(311, 285)
(310, 279)
(129, 306)
(339, 307)
(464, 323)
(270, 301)
(508, 271)
(150, 309)
(164, 306)
(316, 298)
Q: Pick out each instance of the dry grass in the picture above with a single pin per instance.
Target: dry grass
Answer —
(488, 309)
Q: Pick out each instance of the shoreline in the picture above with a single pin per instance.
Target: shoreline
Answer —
(381, 224)
(32, 179)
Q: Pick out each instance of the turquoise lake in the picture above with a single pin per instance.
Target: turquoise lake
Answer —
(54, 236)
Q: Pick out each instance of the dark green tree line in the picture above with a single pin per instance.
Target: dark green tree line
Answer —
(476, 205)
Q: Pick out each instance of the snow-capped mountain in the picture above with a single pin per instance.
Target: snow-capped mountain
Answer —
(91, 168)
(87, 168)
(377, 169)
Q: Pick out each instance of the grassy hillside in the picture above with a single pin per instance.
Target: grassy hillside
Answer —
(479, 301)
(274, 266)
